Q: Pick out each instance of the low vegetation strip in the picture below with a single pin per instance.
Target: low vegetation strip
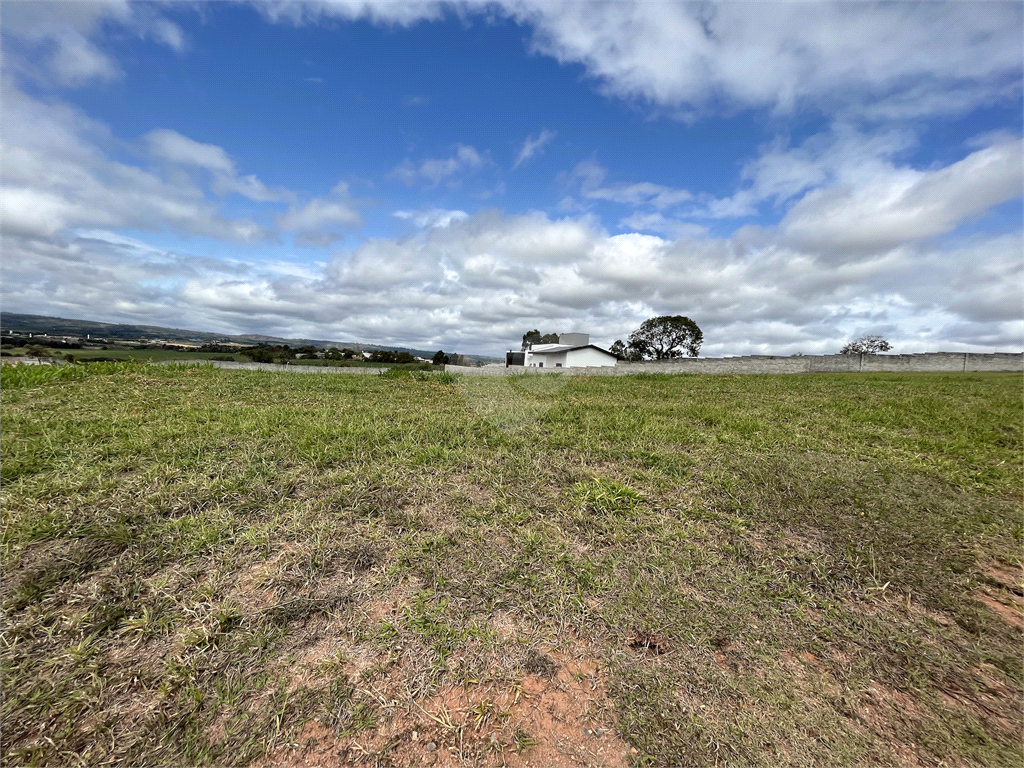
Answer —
(211, 567)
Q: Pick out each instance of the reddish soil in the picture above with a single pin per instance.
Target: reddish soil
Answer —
(889, 713)
(1012, 615)
(560, 720)
(1006, 598)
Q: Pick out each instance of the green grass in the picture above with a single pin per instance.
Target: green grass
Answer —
(163, 355)
(418, 366)
(140, 355)
(200, 565)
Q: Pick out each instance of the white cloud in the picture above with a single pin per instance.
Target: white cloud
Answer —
(783, 55)
(401, 12)
(466, 158)
(310, 220)
(659, 223)
(590, 177)
(781, 173)
(172, 147)
(643, 193)
(57, 41)
(900, 205)
(56, 177)
(895, 60)
(318, 212)
(477, 282)
(533, 145)
(430, 219)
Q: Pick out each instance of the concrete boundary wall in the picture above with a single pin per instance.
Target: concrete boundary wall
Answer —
(940, 362)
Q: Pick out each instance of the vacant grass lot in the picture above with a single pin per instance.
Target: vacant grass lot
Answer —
(165, 355)
(226, 567)
(139, 355)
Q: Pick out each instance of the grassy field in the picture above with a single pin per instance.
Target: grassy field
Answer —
(225, 567)
(169, 355)
(138, 355)
(416, 366)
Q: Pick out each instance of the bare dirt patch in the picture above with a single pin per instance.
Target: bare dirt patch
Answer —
(1003, 593)
(253, 586)
(890, 714)
(505, 624)
(1011, 614)
(803, 541)
(559, 719)
(1010, 579)
(315, 745)
(476, 493)
(808, 674)
(730, 658)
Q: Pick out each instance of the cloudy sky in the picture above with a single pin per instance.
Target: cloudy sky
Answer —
(451, 175)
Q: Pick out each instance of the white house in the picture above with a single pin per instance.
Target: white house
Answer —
(573, 350)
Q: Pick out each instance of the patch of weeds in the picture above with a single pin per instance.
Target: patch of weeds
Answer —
(605, 510)
(361, 557)
(540, 664)
(387, 633)
(149, 621)
(651, 643)
(341, 708)
(522, 740)
(604, 496)
(486, 711)
(301, 608)
(446, 378)
(429, 618)
(397, 374)
(69, 564)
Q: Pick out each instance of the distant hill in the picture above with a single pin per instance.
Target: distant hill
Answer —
(124, 332)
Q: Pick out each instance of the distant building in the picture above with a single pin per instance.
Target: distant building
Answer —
(573, 350)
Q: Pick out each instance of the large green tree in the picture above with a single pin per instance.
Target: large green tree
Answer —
(662, 338)
(866, 345)
(623, 352)
(534, 337)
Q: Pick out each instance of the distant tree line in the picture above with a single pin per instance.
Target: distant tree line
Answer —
(283, 353)
(11, 341)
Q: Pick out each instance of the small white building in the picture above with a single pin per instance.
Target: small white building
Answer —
(573, 350)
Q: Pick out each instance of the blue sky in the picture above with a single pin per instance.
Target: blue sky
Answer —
(453, 175)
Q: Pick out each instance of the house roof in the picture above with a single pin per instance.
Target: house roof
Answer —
(555, 349)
